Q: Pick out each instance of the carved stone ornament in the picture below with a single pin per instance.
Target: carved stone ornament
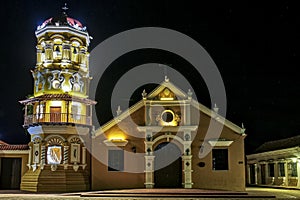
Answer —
(75, 167)
(55, 79)
(53, 168)
(77, 84)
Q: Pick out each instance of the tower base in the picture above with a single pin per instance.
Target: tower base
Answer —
(60, 180)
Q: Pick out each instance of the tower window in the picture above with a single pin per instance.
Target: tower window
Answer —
(76, 111)
(39, 111)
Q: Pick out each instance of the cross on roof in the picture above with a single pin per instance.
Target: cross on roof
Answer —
(65, 8)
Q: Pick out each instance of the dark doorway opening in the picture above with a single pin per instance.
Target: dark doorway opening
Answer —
(252, 174)
(10, 173)
(263, 173)
(168, 166)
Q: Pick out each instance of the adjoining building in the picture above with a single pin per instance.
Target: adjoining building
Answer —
(166, 126)
(13, 160)
(275, 163)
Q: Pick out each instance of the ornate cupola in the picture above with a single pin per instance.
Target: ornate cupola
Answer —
(58, 114)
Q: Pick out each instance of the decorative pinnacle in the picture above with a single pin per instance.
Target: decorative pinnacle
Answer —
(190, 93)
(167, 79)
(144, 94)
(243, 129)
(216, 109)
(119, 111)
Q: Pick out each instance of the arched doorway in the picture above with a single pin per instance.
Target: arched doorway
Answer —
(167, 166)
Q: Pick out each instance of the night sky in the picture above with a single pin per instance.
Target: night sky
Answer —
(255, 45)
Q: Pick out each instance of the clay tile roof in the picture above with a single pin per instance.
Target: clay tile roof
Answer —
(279, 144)
(65, 97)
(13, 147)
(3, 143)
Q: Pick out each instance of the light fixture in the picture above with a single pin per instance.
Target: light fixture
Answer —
(116, 142)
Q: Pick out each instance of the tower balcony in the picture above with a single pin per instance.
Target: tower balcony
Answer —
(57, 109)
(57, 118)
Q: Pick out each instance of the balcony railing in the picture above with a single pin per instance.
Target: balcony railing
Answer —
(57, 118)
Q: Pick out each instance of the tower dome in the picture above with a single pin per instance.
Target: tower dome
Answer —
(62, 20)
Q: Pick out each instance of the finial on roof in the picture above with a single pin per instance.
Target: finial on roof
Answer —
(189, 93)
(144, 94)
(119, 111)
(216, 109)
(167, 79)
(65, 8)
(243, 129)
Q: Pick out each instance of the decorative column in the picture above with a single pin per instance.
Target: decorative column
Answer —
(275, 178)
(149, 160)
(187, 170)
(248, 174)
(43, 156)
(286, 172)
(29, 156)
(298, 173)
(187, 114)
(83, 157)
(149, 172)
(256, 173)
(266, 172)
(66, 157)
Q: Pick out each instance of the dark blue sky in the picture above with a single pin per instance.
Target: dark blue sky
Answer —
(254, 44)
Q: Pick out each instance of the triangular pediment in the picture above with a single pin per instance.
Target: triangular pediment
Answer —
(167, 91)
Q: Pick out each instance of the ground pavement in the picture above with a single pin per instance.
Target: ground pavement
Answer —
(158, 194)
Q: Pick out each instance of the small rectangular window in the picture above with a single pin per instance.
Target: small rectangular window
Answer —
(271, 169)
(115, 160)
(76, 111)
(281, 169)
(220, 159)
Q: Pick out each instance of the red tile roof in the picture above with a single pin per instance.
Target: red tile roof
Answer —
(3, 143)
(14, 147)
(65, 97)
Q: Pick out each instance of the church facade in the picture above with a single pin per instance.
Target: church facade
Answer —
(156, 143)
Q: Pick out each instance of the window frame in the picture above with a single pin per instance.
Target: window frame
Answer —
(217, 164)
(115, 160)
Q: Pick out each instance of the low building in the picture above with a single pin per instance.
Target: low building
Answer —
(275, 163)
(13, 160)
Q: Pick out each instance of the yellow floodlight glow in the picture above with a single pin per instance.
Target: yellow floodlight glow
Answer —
(117, 136)
(55, 103)
(166, 98)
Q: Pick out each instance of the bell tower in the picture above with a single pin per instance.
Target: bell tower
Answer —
(58, 115)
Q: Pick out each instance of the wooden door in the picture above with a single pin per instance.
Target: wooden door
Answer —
(55, 114)
(10, 177)
(169, 176)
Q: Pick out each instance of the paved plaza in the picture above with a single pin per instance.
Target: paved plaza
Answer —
(157, 194)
